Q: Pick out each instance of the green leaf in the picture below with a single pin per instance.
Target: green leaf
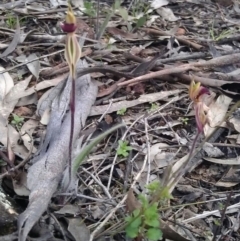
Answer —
(136, 223)
(151, 213)
(124, 13)
(104, 25)
(144, 201)
(136, 212)
(153, 186)
(123, 148)
(153, 222)
(128, 218)
(117, 4)
(122, 111)
(154, 234)
(17, 120)
(131, 232)
(141, 21)
(86, 150)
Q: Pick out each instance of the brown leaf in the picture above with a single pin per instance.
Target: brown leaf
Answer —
(115, 31)
(83, 27)
(131, 202)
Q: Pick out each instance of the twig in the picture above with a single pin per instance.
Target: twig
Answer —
(88, 197)
(148, 151)
(99, 183)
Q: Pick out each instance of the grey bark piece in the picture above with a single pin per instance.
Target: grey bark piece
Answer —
(46, 172)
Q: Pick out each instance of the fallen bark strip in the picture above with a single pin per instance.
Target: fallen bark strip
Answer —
(46, 172)
(216, 62)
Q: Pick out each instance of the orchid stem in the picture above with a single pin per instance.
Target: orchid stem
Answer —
(72, 109)
(193, 146)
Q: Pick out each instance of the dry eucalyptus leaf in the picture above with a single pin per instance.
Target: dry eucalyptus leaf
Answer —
(99, 110)
(78, 229)
(26, 133)
(20, 185)
(229, 161)
(12, 96)
(227, 181)
(68, 209)
(33, 66)
(57, 3)
(40, 86)
(167, 14)
(45, 118)
(212, 151)
(216, 114)
(28, 100)
(159, 3)
(235, 123)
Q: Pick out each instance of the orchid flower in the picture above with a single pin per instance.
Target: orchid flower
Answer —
(196, 92)
(201, 115)
(72, 55)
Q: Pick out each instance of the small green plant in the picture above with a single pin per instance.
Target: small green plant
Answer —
(184, 120)
(217, 222)
(123, 148)
(221, 35)
(89, 9)
(122, 111)
(11, 21)
(145, 221)
(218, 36)
(154, 106)
(17, 121)
(147, 224)
(140, 11)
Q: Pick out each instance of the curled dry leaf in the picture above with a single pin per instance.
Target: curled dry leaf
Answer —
(131, 202)
(230, 179)
(26, 134)
(217, 113)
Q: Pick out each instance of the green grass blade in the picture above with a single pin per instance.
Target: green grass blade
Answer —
(86, 150)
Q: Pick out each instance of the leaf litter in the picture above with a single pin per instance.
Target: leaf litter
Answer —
(156, 110)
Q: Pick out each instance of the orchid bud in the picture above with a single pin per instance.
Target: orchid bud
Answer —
(69, 25)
